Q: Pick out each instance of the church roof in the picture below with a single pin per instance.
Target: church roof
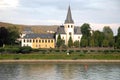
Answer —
(77, 30)
(60, 30)
(43, 36)
(69, 17)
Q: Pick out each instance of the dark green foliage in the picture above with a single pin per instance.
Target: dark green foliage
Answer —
(98, 38)
(118, 39)
(76, 44)
(84, 41)
(70, 42)
(8, 35)
(60, 42)
(3, 36)
(108, 37)
(85, 29)
(25, 49)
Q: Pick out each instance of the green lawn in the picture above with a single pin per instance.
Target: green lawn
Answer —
(73, 56)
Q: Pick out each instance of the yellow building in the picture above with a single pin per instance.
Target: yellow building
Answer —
(38, 41)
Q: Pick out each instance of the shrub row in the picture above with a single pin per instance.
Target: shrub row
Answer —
(16, 50)
(30, 50)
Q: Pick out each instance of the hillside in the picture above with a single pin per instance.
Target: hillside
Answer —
(34, 28)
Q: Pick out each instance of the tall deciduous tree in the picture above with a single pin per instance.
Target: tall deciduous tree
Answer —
(108, 36)
(8, 35)
(84, 41)
(3, 36)
(85, 29)
(118, 39)
(70, 42)
(98, 38)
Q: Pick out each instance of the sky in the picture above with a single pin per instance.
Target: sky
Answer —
(98, 13)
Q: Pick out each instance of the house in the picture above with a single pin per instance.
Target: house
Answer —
(38, 40)
(69, 29)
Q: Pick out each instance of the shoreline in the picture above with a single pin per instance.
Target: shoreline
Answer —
(61, 61)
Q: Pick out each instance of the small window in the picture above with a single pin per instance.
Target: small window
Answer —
(51, 41)
(48, 41)
(39, 41)
(24, 40)
(62, 37)
(42, 41)
(69, 33)
(78, 37)
(71, 26)
(45, 41)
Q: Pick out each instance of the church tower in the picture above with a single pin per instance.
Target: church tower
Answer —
(69, 26)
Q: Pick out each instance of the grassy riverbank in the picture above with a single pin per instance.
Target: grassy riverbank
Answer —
(60, 56)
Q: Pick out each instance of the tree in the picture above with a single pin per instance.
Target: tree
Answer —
(70, 42)
(85, 29)
(13, 34)
(108, 36)
(76, 44)
(84, 41)
(92, 41)
(60, 42)
(8, 35)
(98, 38)
(118, 39)
(3, 36)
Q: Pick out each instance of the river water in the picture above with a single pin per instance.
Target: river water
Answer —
(59, 71)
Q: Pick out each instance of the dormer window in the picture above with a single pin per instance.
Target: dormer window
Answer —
(71, 26)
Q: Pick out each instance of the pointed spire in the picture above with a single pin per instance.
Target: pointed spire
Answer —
(69, 16)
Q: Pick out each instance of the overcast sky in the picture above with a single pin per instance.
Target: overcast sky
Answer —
(98, 13)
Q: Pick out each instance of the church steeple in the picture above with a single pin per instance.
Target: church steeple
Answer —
(69, 16)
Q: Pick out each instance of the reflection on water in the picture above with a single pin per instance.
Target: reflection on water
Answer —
(65, 71)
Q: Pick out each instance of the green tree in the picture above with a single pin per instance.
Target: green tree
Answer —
(13, 34)
(60, 42)
(108, 36)
(3, 36)
(70, 42)
(85, 29)
(92, 41)
(84, 41)
(76, 44)
(98, 38)
(118, 39)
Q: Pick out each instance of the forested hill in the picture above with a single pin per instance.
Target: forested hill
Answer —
(34, 28)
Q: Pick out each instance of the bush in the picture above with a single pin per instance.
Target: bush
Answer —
(25, 49)
(2, 50)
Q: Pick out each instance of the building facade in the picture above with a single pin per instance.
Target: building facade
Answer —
(69, 29)
(38, 41)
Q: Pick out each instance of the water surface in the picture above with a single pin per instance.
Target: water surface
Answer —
(54, 71)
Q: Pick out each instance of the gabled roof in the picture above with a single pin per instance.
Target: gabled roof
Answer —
(69, 17)
(43, 36)
(60, 30)
(77, 30)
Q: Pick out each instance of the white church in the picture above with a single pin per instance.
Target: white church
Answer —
(69, 29)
